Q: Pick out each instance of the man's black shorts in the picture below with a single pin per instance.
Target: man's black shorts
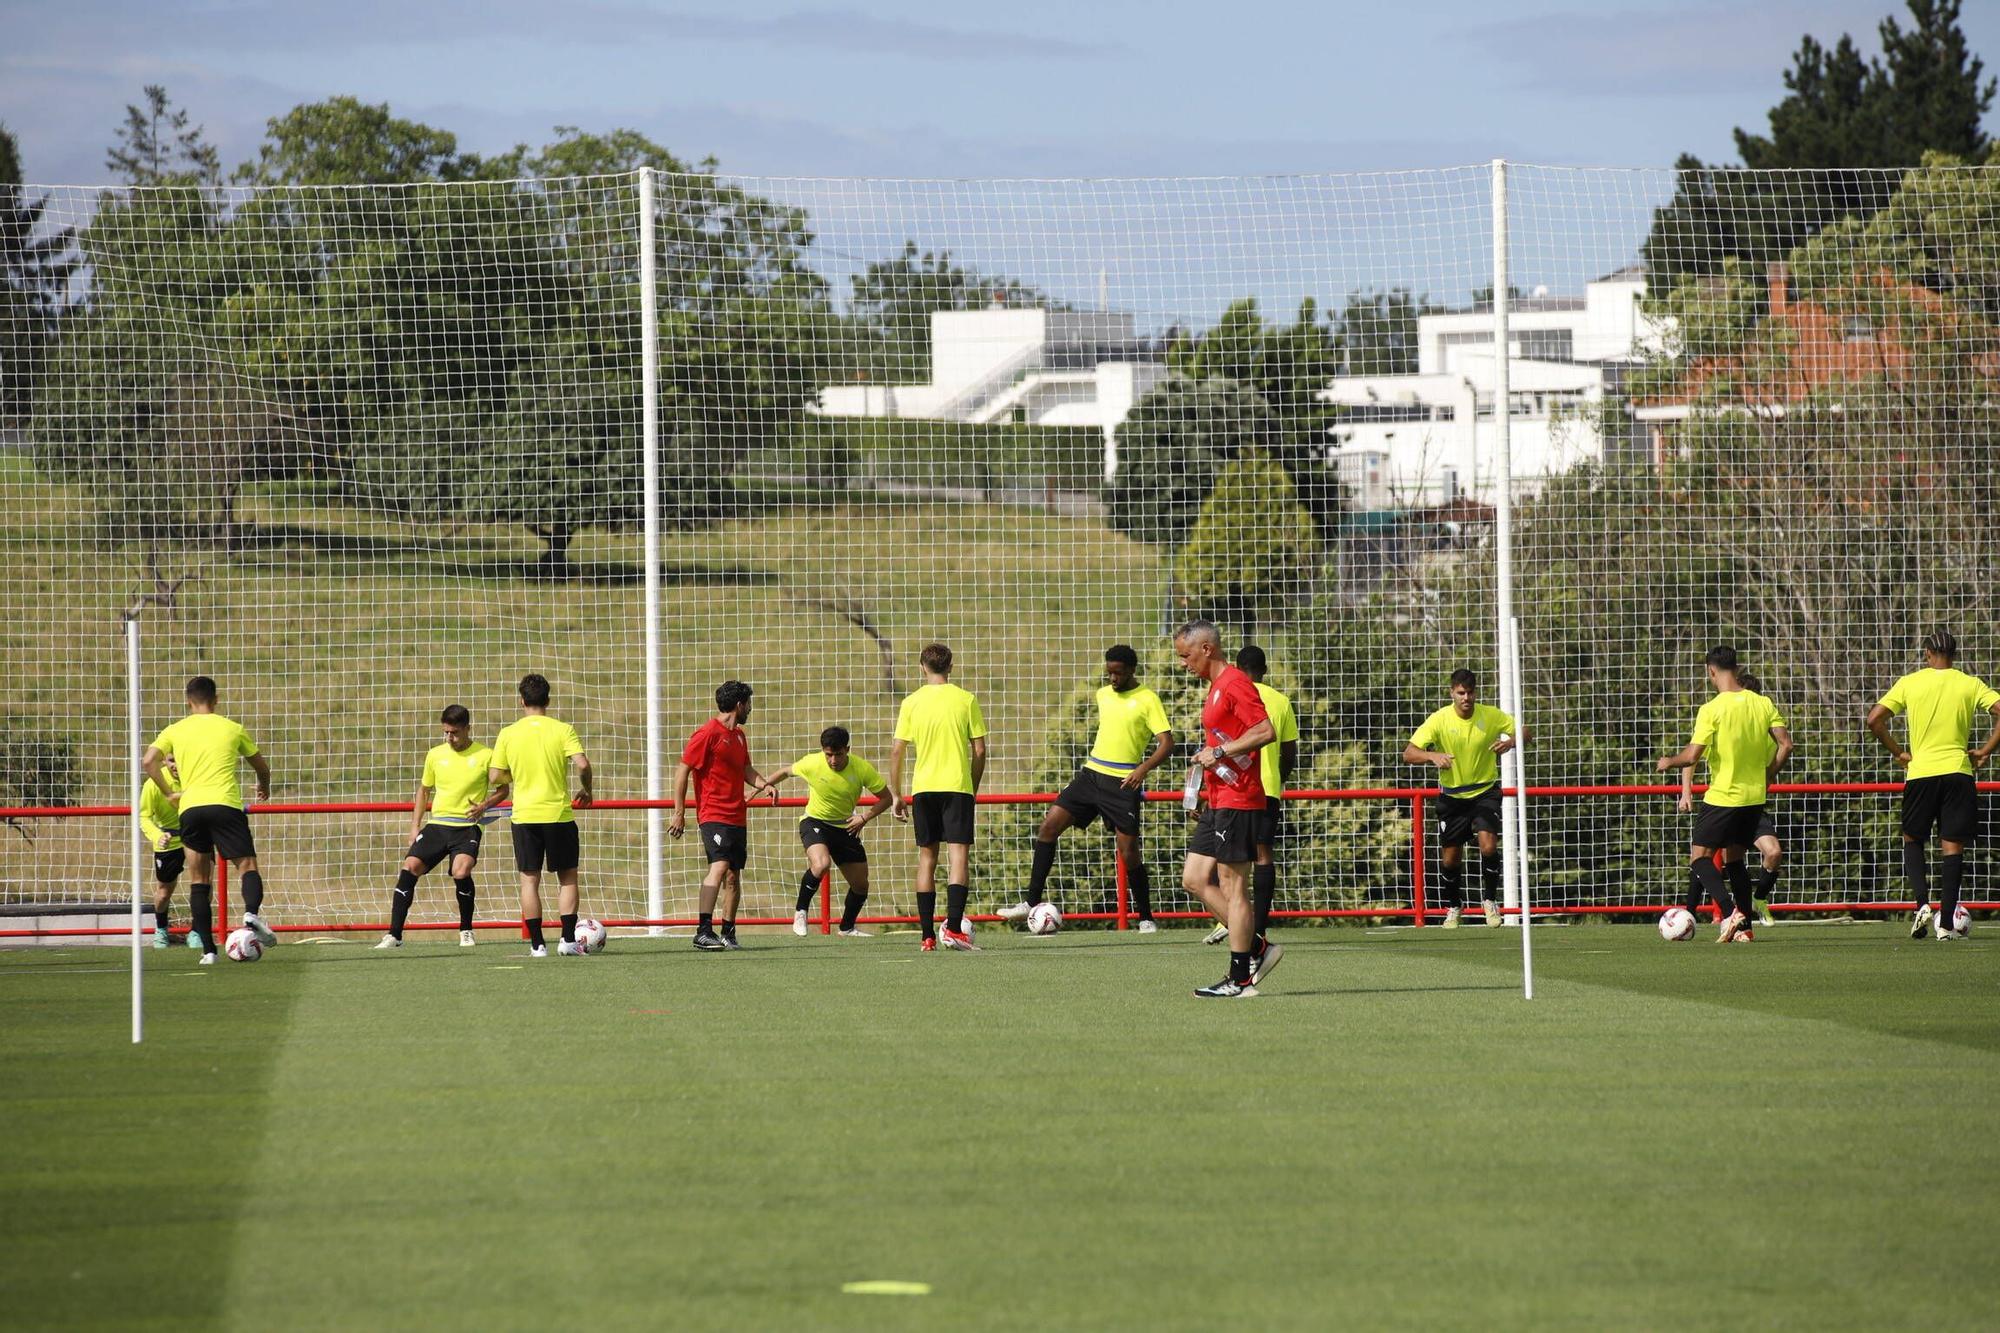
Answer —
(942, 816)
(844, 847)
(1949, 802)
(1463, 817)
(1091, 793)
(1227, 835)
(1269, 820)
(1719, 826)
(537, 845)
(167, 866)
(437, 842)
(218, 830)
(1766, 827)
(726, 842)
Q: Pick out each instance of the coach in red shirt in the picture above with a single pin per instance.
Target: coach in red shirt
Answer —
(717, 756)
(1234, 726)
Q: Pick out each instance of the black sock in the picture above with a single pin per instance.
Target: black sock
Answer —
(160, 918)
(808, 890)
(1489, 877)
(1263, 892)
(954, 905)
(466, 898)
(1696, 890)
(399, 902)
(1951, 873)
(1738, 876)
(201, 915)
(926, 911)
(1038, 872)
(533, 925)
(1453, 879)
(1711, 880)
(1239, 967)
(850, 910)
(705, 924)
(1765, 882)
(1916, 873)
(253, 892)
(1139, 882)
(569, 927)
(726, 929)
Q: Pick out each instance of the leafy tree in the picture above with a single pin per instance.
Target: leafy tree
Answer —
(157, 146)
(893, 300)
(37, 266)
(1376, 332)
(1252, 554)
(1171, 449)
(1853, 123)
(343, 141)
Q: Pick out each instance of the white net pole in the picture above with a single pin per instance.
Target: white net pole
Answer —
(135, 780)
(649, 390)
(1517, 832)
(1510, 698)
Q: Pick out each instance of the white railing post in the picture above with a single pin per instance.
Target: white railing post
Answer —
(134, 786)
(649, 449)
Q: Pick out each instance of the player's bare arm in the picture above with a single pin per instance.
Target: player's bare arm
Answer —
(1163, 745)
(419, 806)
(1783, 736)
(978, 760)
(901, 807)
(678, 824)
(1687, 758)
(1878, 726)
(1981, 753)
(262, 767)
(584, 780)
(1435, 758)
(1254, 739)
(155, 765)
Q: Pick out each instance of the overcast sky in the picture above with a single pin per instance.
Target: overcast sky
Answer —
(925, 88)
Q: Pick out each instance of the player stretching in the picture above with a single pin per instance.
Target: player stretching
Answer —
(1763, 881)
(1735, 729)
(944, 724)
(160, 824)
(831, 826)
(1234, 726)
(717, 757)
(205, 746)
(533, 755)
(1939, 790)
(1132, 739)
(457, 789)
(1465, 740)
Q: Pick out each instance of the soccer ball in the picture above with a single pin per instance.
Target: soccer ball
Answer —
(1044, 919)
(242, 946)
(1677, 923)
(590, 933)
(1961, 920)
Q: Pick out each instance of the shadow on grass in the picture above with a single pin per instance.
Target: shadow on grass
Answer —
(1377, 990)
(480, 559)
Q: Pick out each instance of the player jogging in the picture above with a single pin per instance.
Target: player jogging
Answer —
(1939, 791)
(457, 790)
(160, 825)
(831, 826)
(717, 757)
(534, 755)
(1465, 740)
(1132, 739)
(1735, 729)
(1763, 879)
(943, 722)
(205, 746)
(1234, 726)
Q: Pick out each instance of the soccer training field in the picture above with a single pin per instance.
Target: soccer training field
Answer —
(1050, 1134)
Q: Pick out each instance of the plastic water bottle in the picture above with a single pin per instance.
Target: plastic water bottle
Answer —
(1231, 771)
(1191, 793)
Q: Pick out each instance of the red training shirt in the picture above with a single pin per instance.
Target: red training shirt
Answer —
(1232, 707)
(719, 756)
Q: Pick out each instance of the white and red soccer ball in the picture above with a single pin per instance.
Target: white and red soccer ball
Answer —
(1676, 924)
(242, 945)
(591, 935)
(1044, 919)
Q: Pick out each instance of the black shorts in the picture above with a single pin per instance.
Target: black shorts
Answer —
(726, 842)
(1091, 793)
(1719, 826)
(1264, 828)
(844, 847)
(1766, 826)
(439, 842)
(1949, 802)
(1227, 835)
(167, 866)
(1464, 816)
(942, 816)
(537, 844)
(218, 830)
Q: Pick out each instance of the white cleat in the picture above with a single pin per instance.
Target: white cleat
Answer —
(538, 951)
(265, 935)
(389, 942)
(854, 933)
(571, 949)
(1149, 927)
(1451, 916)
(1016, 914)
(1921, 920)
(208, 960)
(799, 924)
(466, 939)
(1731, 924)
(1492, 910)
(1216, 936)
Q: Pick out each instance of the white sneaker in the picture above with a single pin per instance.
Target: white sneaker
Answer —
(538, 951)
(466, 939)
(1216, 936)
(1149, 927)
(799, 924)
(1921, 920)
(1951, 935)
(1016, 914)
(208, 960)
(857, 933)
(1451, 917)
(1266, 962)
(389, 942)
(1492, 910)
(571, 949)
(265, 935)
(1732, 923)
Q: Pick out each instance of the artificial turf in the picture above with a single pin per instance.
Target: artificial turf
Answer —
(1050, 1134)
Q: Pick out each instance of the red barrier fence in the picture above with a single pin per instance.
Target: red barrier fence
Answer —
(1417, 912)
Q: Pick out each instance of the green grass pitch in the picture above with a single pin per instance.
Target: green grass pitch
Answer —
(1051, 1134)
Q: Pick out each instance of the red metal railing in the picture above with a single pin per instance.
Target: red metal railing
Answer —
(1417, 912)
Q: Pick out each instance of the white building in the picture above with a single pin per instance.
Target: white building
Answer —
(1429, 438)
(1042, 367)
